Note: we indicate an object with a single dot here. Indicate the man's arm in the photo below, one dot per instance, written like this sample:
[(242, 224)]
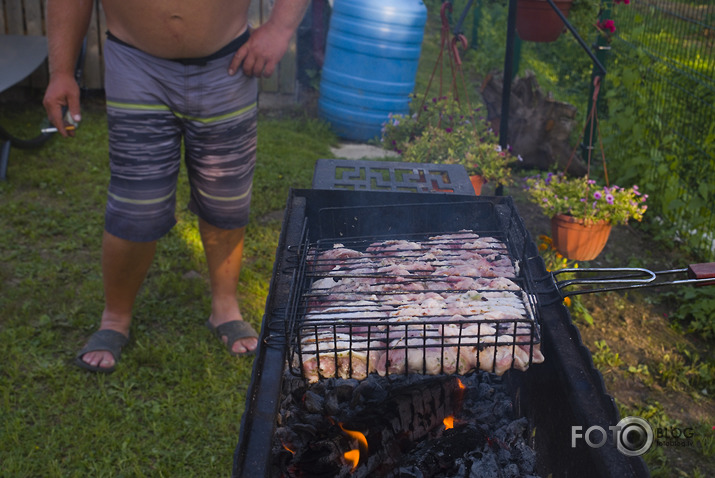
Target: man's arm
[(67, 25), (269, 42)]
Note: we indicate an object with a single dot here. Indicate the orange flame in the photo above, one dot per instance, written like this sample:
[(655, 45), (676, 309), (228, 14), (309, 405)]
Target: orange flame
[(460, 384), (448, 422), (286, 447), (353, 456)]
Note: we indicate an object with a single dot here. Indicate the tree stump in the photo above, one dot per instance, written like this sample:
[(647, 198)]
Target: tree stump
[(539, 126)]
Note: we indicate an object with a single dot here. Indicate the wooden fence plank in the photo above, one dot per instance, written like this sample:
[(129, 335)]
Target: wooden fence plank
[(254, 13), (2, 18), (13, 14), (92, 77), (268, 85), (33, 17), (102, 32), (35, 26), (288, 69)]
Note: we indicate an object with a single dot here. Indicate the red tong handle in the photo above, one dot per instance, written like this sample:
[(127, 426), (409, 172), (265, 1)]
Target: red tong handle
[(705, 270)]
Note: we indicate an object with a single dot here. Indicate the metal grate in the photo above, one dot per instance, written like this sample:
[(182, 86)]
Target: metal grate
[(350, 312), (391, 176)]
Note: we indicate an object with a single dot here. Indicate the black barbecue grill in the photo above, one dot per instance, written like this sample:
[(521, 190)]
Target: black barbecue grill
[(563, 391)]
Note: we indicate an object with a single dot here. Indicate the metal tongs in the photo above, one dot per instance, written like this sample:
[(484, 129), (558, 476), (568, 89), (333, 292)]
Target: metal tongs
[(619, 278)]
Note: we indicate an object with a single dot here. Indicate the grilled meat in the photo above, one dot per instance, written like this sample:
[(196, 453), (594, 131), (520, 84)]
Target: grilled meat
[(449, 304)]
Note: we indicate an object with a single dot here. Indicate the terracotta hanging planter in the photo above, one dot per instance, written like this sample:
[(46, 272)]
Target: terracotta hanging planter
[(477, 183), (576, 240), (536, 21)]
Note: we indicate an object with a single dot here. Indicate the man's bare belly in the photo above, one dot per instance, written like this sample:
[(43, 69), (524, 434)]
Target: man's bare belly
[(176, 28)]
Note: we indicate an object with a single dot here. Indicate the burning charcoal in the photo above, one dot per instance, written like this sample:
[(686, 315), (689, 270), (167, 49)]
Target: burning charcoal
[(485, 390), (402, 419), (305, 428), (313, 402), (486, 467), (332, 405), (409, 473), (516, 429), (320, 461), (502, 407), (437, 457), (369, 391), (526, 458), (504, 457), (511, 471), (345, 389)]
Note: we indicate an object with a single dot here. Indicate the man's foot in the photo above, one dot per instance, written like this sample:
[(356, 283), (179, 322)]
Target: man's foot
[(238, 336), (102, 351)]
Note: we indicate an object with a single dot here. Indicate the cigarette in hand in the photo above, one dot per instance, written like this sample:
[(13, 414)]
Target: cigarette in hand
[(54, 130)]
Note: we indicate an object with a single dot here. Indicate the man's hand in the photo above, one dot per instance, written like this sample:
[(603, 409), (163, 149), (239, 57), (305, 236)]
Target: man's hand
[(62, 91), (260, 55)]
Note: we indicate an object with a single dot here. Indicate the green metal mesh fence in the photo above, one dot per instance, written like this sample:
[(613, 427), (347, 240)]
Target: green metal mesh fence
[(674, 43)]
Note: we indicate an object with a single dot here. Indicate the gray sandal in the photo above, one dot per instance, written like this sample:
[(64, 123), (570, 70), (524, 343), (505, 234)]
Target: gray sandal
[(233, 331), (105, 340)]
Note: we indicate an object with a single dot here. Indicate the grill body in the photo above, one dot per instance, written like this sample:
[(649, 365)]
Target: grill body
[(566, 390)]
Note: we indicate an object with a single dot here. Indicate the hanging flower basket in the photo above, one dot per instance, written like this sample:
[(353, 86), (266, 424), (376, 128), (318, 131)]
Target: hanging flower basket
[(576, 240), (536, 21)]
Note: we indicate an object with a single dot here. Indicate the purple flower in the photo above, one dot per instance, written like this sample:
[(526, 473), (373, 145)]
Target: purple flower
[(597, 195), (609, 198)]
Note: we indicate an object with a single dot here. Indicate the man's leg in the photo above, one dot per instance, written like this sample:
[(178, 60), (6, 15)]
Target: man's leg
[(124, 267), (224, 252)]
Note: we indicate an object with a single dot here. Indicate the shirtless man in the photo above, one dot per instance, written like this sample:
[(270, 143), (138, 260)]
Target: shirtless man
[(174, 69)]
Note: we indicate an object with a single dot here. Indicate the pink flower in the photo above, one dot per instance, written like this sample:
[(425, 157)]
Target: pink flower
[(607, 25), (609, 198), (597, 195)]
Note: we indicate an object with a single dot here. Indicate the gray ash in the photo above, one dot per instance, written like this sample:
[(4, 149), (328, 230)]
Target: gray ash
[(402, 419)]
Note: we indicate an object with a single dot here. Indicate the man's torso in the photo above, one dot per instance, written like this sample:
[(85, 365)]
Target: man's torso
[(175, 28)]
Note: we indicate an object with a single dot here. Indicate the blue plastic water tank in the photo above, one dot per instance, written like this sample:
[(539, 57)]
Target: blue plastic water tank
[(371, 56)]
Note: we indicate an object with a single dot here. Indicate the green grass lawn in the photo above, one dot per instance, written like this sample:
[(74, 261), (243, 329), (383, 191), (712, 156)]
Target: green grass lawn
[(174, 405)]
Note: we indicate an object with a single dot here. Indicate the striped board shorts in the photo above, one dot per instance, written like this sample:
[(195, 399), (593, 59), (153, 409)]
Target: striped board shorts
[(154, 103)]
